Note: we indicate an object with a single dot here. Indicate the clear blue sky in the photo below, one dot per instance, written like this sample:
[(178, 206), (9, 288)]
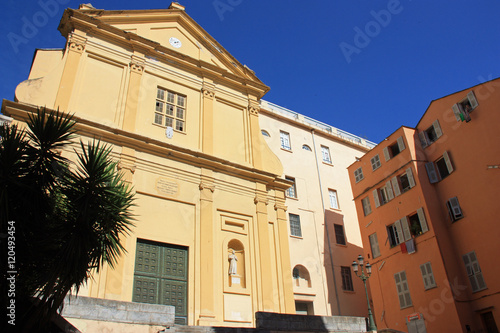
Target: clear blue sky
[(364, 66)]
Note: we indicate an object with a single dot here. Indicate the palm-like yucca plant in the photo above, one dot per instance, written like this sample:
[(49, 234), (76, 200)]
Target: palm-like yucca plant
[(68, 220)]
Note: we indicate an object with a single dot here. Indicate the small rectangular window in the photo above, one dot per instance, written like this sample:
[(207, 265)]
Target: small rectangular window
[(375, 161), (358, 174), (474, 272), (439, 169), (367, 209), (346, 279), (403, 290), (334, 202), (325, 152), (285, 140), (394, 149), (339, 234), (164, 109), (295, 229), (427, 276), (454, 209), (292, 190), (395, 234), (374, 245), (463, 109)]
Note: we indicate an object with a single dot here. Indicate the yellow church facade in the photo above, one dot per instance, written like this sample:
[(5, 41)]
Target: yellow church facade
[(212, 235)]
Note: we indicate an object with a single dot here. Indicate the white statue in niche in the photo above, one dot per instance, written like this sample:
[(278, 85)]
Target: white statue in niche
[(233, 265)]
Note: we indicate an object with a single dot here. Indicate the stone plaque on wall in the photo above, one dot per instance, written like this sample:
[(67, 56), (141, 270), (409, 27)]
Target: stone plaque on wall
[(166, 186)]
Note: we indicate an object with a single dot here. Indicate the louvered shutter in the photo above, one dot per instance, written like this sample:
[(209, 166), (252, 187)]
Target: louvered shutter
[(474, 271), (456, 112), (472, 100), (399, 230), (427, 275), (406, 228), (401, 144), (411, 180), (423, 221), (395, 185), (423, 139), (390, 193), (456, 211), (374, 245), (447, 160), (437, 129), (376, 198), (386, 154), (431, 172)]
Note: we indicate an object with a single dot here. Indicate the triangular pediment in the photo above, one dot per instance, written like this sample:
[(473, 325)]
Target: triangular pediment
[(174, 32)]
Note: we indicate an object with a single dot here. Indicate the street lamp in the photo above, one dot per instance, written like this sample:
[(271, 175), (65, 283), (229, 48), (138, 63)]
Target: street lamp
[(362, 276)]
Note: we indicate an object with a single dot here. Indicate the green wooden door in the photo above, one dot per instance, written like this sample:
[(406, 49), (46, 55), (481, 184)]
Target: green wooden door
[(161, 276)]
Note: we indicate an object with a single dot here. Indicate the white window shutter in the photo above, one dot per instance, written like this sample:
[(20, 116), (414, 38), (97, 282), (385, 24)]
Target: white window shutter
[(447, 160), (455, 208), (431, 172), (423, 269), (401, 144), (456, 112), (437, 129), (390, 193), (386, 154), (411, 180), (423, 139), (374, 245), (472, 100), (376, 198), (423, 221), (395, 185), (399, 230), (406, 228)]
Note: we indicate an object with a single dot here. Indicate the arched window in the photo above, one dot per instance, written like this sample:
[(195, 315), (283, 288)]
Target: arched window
[(306, 147), (265, 133), (301, 277)]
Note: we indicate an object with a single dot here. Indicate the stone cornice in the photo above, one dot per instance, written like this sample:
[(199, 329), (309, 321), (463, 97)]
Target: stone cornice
[(20, 112), (241, 79)]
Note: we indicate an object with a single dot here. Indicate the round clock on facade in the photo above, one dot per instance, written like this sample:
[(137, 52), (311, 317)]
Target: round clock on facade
[(175, 42)]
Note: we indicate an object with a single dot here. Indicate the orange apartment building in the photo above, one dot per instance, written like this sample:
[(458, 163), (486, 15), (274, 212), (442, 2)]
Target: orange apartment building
[(427, 202)]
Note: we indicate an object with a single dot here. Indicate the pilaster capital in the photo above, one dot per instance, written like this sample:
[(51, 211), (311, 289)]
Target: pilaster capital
[(127, 166), (204, 185), (137, 64), (260, 199), (253, 108), (77, 43), (279, 206), (208, 93)]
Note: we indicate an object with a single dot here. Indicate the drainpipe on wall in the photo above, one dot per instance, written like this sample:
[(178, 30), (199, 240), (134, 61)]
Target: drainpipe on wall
[(326, 224)]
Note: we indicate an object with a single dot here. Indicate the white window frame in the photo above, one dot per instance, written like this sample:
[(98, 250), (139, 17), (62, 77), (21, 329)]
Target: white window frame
[(291, 192), (367, 208), (334, 200), (376, 163), (358, 174), (474, 272), (295, 227), (428, 276), (403, 290), (285, 140), (325, 153), (176, 117)]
